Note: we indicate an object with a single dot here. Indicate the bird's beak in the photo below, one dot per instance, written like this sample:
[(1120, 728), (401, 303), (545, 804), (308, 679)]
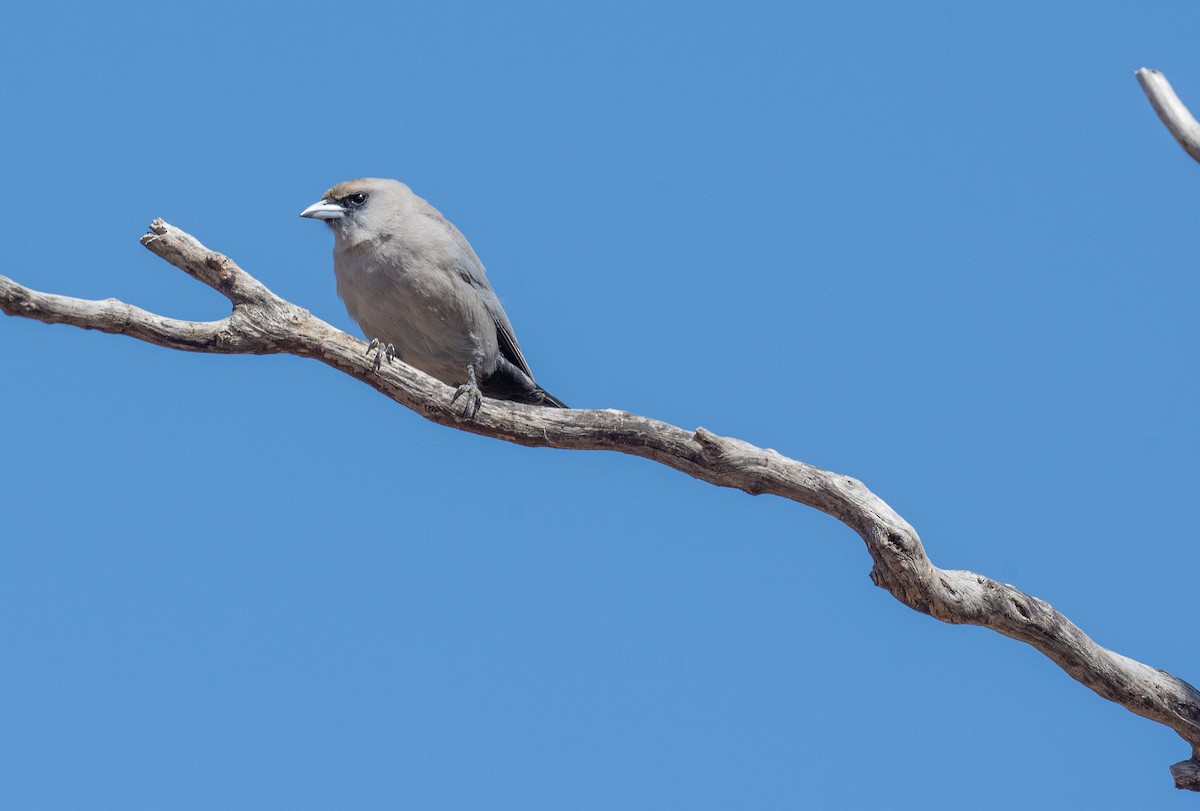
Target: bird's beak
[(324, 210)]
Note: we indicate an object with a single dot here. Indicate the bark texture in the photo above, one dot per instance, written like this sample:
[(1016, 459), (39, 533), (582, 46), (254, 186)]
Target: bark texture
[(262, 323)]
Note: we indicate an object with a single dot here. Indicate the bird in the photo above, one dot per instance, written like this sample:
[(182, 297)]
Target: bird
[(417, 290)]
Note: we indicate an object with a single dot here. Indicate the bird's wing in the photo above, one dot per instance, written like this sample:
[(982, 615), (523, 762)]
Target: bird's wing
[(471, 270), (508, 342), (509, 347)]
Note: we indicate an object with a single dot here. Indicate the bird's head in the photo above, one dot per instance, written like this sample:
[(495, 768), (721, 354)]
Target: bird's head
[(360, 209)]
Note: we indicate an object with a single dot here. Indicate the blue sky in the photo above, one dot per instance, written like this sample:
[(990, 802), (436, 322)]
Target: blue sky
[(944, 247)]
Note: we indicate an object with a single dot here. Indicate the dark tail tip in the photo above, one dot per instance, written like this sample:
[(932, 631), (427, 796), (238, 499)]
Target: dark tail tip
[(550, 400)]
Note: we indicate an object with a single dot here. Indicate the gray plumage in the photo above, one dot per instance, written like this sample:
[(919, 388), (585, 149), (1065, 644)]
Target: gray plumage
[(411, 280)]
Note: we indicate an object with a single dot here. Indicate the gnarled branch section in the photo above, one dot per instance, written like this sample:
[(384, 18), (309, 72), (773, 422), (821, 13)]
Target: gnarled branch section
[(1171, 110), (263, 323)]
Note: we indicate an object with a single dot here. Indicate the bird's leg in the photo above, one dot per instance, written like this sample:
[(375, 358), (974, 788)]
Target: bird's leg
[(381, 351), (470, 391)]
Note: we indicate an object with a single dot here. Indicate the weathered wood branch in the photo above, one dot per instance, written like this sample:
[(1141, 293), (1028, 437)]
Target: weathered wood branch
[(1180, 122), (263, 323)]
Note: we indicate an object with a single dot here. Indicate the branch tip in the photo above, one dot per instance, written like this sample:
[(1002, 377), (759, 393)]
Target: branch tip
[(1171, 111), (1186, 774)]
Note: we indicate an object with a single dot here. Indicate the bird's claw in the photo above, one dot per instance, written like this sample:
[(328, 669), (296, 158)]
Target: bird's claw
[(473, 396), (472, 400), (381, 351)]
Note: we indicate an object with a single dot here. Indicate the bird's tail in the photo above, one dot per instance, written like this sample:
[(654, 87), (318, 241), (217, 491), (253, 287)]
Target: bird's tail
[(550, 400)]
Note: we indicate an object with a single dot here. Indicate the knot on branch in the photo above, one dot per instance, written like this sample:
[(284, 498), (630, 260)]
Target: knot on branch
[(747, 466), (901, 567), (711, 445), (225, 272)]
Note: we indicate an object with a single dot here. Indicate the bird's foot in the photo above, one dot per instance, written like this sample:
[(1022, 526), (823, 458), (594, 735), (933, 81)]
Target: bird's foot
[(382, 351), (472, 396)]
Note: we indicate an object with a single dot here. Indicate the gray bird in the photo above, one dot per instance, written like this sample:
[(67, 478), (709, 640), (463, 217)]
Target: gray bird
[(412, 282)]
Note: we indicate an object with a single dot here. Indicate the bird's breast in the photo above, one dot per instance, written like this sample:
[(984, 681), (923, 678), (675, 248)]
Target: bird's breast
[(427, 311)]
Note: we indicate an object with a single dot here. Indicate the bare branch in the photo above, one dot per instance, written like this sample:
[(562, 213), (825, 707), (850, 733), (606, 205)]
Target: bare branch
[(263, 323), (1171, 110), (109, 315)]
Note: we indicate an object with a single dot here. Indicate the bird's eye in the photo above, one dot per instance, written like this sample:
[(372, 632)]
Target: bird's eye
[(356, 200)]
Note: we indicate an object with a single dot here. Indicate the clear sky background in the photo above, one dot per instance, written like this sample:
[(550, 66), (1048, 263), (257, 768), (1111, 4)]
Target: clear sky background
[(943, 247)]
